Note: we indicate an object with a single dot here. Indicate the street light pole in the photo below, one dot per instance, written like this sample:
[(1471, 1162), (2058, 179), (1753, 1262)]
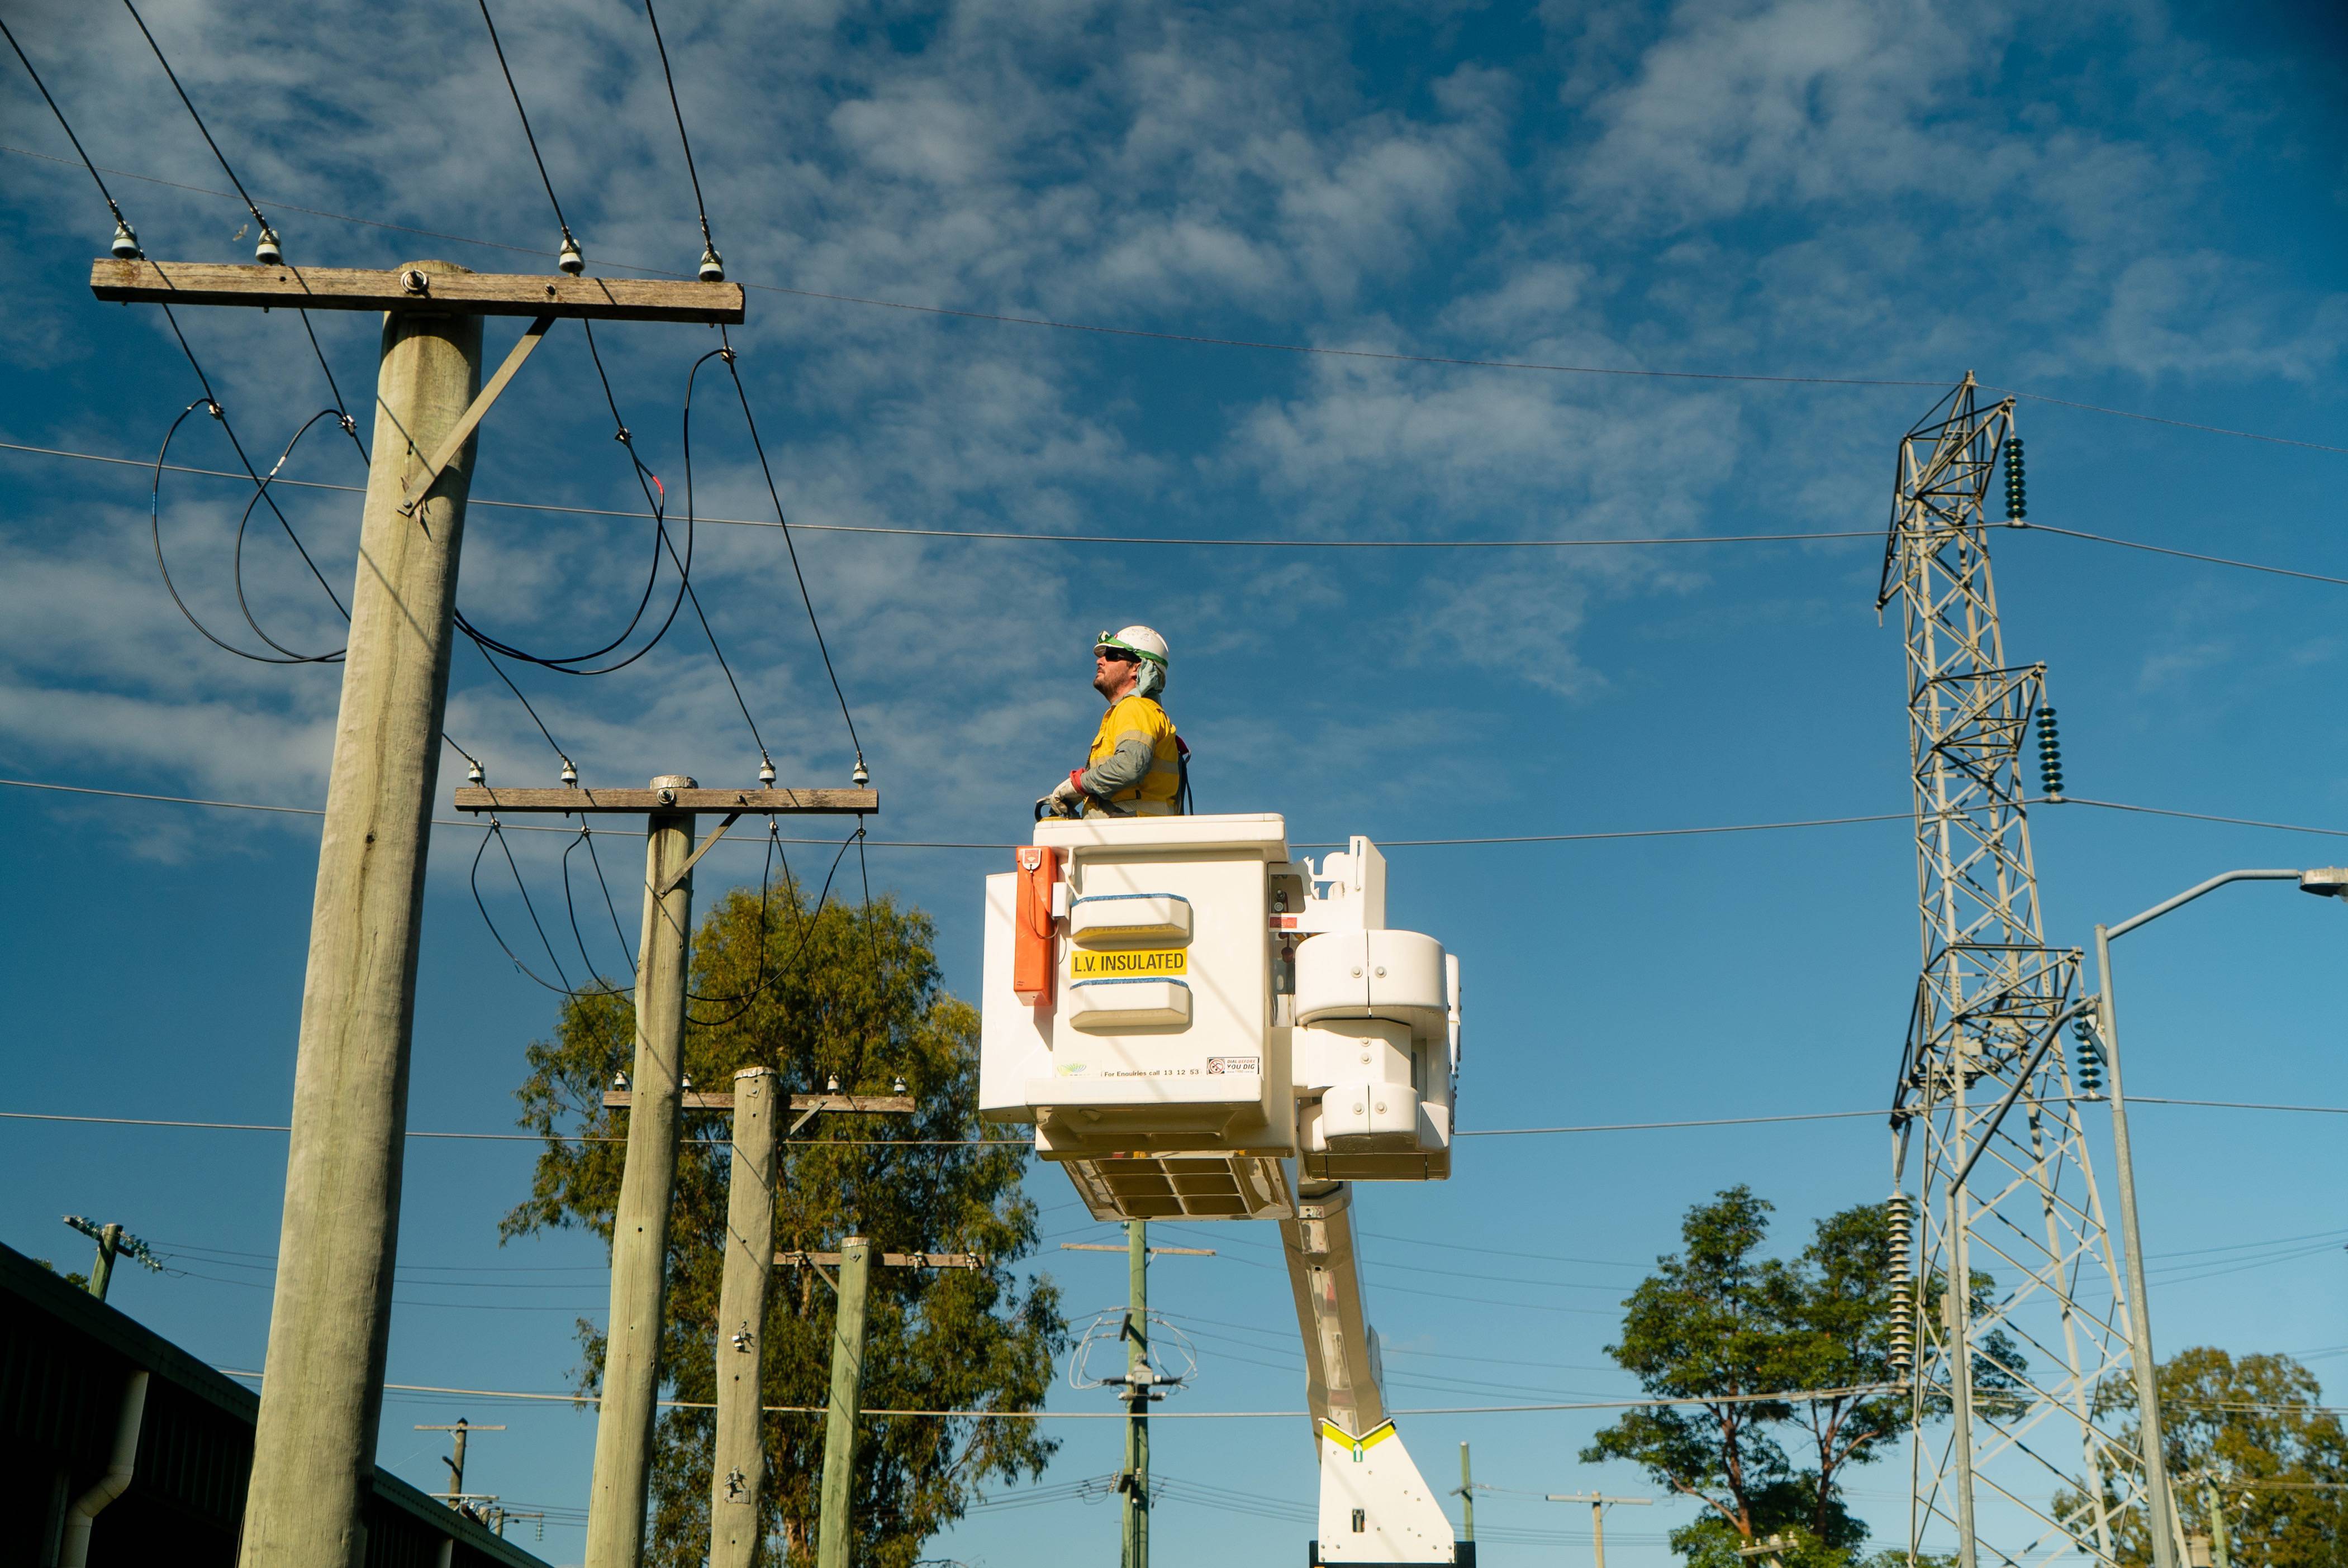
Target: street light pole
[(2160, 1506)]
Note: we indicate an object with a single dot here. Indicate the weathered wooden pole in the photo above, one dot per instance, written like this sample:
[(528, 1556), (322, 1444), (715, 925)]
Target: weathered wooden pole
[(738, 1465), (314, 1448), (624, 1428), (835, 1527)]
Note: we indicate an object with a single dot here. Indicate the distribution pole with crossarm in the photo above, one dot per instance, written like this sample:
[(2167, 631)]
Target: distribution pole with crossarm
[(321, 1400), (622, 1485)]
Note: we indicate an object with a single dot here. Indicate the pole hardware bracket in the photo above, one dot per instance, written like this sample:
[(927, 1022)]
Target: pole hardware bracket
[(473, 416)]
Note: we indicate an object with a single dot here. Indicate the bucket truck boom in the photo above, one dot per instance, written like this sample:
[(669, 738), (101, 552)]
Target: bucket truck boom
[(1200, 1027)]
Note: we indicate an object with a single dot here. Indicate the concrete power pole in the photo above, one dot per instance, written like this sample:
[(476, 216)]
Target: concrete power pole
[(737, 1468), (624, 1426), (1467, 1498), (834, 1526), (314, 1447)]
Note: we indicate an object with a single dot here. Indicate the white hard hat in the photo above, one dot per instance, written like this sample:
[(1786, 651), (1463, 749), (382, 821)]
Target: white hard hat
[(1138, 640), (1147, 647)]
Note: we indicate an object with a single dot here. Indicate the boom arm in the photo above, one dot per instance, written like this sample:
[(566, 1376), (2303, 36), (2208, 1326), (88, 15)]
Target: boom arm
[(1376, 1509)]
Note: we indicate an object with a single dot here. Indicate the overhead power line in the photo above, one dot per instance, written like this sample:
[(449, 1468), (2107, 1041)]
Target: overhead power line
[(1209, 542), (1391, 844), (1250, 343), (1023, 1142), (1772, 1397)]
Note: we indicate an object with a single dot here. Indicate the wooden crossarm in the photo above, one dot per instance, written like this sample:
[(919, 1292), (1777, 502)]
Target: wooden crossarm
[(412, 288), (723, 1099), (623, 801), (888, 1259)]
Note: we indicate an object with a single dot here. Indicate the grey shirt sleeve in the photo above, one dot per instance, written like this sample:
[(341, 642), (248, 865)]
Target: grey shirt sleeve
[(1122, 769)]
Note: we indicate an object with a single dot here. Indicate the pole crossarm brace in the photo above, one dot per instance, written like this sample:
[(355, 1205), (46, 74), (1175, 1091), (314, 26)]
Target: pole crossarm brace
[(531, 335), (571, 801), (411, 289), (887, 1260), (723, 1099)]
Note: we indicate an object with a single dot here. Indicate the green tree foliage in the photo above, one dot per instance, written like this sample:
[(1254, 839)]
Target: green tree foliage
[(2281, 1466), (833, 992), (1718, 1324)]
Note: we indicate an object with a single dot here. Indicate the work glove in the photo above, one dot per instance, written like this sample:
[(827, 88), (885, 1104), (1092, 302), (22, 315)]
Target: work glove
[(1067, 796)]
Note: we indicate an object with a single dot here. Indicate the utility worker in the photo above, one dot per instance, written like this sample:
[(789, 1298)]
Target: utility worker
[(1138, 766)]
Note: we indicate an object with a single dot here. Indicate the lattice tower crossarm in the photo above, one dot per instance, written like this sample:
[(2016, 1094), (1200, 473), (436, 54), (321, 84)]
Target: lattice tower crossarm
[(2022, 1452)]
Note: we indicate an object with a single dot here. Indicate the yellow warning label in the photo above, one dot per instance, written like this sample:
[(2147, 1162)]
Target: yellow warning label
[(1126, 963)]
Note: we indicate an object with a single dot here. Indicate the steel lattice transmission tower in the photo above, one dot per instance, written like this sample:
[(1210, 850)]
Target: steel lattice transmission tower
[(2012, 1197)]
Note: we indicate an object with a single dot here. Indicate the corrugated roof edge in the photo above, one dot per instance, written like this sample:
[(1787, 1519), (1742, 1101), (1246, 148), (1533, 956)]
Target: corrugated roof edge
[(142, 1346)]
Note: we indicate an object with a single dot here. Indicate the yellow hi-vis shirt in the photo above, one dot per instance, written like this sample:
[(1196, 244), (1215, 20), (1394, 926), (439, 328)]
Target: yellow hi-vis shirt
[(1132, 716)]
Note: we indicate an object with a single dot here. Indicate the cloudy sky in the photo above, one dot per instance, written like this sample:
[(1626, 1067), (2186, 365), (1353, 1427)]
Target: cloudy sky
[(1780, 229)]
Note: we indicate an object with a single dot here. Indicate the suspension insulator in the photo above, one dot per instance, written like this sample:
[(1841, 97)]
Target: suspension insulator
[(2049, 756), (1898, 1226), (2090, 1059), (2016, 498)]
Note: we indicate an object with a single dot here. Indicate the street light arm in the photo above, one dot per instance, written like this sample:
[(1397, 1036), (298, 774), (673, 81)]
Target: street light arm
[(2191, 894)]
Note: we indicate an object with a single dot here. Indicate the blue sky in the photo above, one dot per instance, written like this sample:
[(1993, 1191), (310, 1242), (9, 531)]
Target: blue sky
[(2133, 206)]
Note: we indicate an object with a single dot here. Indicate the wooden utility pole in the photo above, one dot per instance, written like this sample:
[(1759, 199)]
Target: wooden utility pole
[(622, 1480), (834, 1526), (1598, 1503), (456, 1462), (314, 1447), (624, 1425), (738, 1467)]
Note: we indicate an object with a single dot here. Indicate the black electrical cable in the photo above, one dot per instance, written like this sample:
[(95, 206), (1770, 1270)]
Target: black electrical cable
[(733, 369), (342, 410), (687, 438), (655, 497), (496, 831), (797, 953), (66, 126), (500, 671), (528, 135), (611, 907), (571, 908), (155, 525), (700, 207), (244, 522), (766, 876)]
